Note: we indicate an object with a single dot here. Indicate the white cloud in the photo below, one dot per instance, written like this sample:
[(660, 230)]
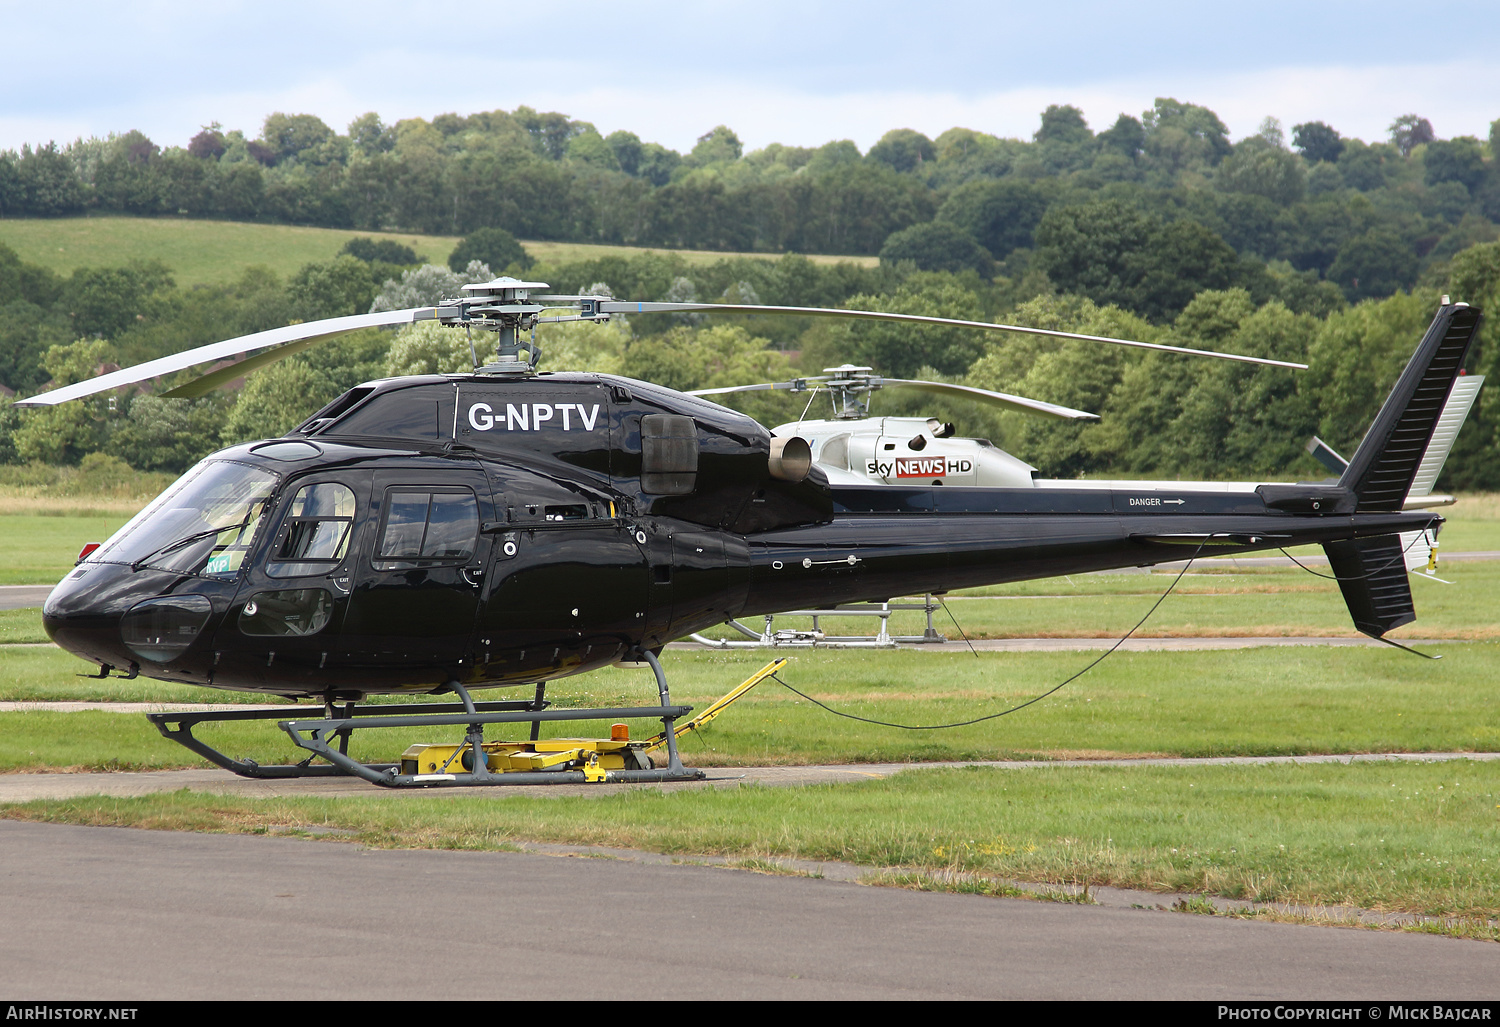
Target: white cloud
[(17, 131), (1357, 101), (801, 72)]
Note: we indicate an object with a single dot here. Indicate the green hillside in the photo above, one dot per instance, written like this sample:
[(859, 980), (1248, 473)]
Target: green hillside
[(215, 252)]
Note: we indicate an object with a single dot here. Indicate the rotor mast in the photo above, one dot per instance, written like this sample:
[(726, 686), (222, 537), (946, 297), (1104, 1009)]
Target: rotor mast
[(503, 306), (851, 387)]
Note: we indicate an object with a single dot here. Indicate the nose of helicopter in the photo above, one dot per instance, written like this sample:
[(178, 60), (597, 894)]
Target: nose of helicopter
[(83, 612), (113, 615)]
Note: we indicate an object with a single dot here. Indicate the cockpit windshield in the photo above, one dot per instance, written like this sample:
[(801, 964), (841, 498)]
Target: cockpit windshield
[(204, 524)]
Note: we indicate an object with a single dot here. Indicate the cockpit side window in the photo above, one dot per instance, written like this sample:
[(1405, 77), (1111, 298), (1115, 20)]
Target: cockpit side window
[(426, 526), (314, 537)]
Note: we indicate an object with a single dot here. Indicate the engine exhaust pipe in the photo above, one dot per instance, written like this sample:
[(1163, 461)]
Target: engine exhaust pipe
[(790, 459)]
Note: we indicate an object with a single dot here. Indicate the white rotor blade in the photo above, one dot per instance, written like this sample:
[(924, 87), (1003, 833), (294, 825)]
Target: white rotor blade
[(799, 385), (999, 399), (251, 345), (622, 307)]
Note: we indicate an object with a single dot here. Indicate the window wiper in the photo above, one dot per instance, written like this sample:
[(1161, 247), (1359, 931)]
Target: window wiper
[(185, 541)]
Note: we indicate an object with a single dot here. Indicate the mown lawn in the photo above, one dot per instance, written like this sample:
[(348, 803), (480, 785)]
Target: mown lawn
[(1284, 701)]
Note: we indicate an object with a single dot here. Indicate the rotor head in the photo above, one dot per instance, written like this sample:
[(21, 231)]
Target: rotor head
[(850, 386), (504, 306)]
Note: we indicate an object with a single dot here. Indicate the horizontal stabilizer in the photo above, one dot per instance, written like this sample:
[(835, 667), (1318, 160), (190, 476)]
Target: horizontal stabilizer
[(1307, 497), (1372, 576), (1326, 455)]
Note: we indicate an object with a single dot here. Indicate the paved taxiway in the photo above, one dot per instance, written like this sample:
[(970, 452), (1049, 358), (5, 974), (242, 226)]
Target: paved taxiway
[(19, 597), (125, 914)]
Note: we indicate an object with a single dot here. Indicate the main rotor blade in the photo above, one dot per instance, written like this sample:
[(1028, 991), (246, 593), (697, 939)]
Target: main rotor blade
[(796, 385), (259, 348), (999, 399), (622, 307), (741, 388)]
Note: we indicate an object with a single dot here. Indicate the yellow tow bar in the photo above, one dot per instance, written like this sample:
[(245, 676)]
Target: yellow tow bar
[(594, 756), (658, 740)]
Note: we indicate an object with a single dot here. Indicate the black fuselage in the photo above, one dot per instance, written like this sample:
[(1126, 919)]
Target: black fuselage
[(501, 556)]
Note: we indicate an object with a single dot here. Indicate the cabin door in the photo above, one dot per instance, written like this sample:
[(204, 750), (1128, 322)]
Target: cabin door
[(417, 582), (283, 626)]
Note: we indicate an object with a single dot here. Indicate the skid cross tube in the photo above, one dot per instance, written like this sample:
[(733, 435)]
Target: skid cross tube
[(327, 738), (315, 736), (178, 727)]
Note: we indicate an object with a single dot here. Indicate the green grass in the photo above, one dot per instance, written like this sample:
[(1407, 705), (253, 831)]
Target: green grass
[(39, 550), (44, 673), (1403, 837), (1473, 523), (22, 626), (561, 252), (1250, 702), (216, 252), (1469, 536), (1253, 702), (1417, 838), (1260, 602), (198, 252)]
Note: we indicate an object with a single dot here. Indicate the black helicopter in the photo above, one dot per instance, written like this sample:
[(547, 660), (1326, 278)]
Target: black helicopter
[(443, 533)]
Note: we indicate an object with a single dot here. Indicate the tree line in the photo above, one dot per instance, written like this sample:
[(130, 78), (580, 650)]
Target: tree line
[(1163, 415), (1143, 214)]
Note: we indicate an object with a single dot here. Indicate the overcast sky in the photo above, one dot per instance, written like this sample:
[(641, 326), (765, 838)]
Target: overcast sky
[(800, 72)]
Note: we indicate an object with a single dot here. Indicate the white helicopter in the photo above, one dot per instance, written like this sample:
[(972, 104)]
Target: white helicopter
[(855, 448)]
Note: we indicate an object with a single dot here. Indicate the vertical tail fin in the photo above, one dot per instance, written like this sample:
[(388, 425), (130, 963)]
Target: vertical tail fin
[(1381, 471), (1372, 571)]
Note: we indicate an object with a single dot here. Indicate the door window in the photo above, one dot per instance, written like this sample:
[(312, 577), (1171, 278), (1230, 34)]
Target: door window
[(315, 535), (426, 526)]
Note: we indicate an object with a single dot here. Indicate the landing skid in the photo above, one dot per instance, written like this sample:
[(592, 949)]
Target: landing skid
[(328, 739)]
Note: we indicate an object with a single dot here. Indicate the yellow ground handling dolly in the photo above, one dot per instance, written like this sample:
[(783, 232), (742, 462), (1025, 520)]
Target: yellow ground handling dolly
[(595, 757)]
